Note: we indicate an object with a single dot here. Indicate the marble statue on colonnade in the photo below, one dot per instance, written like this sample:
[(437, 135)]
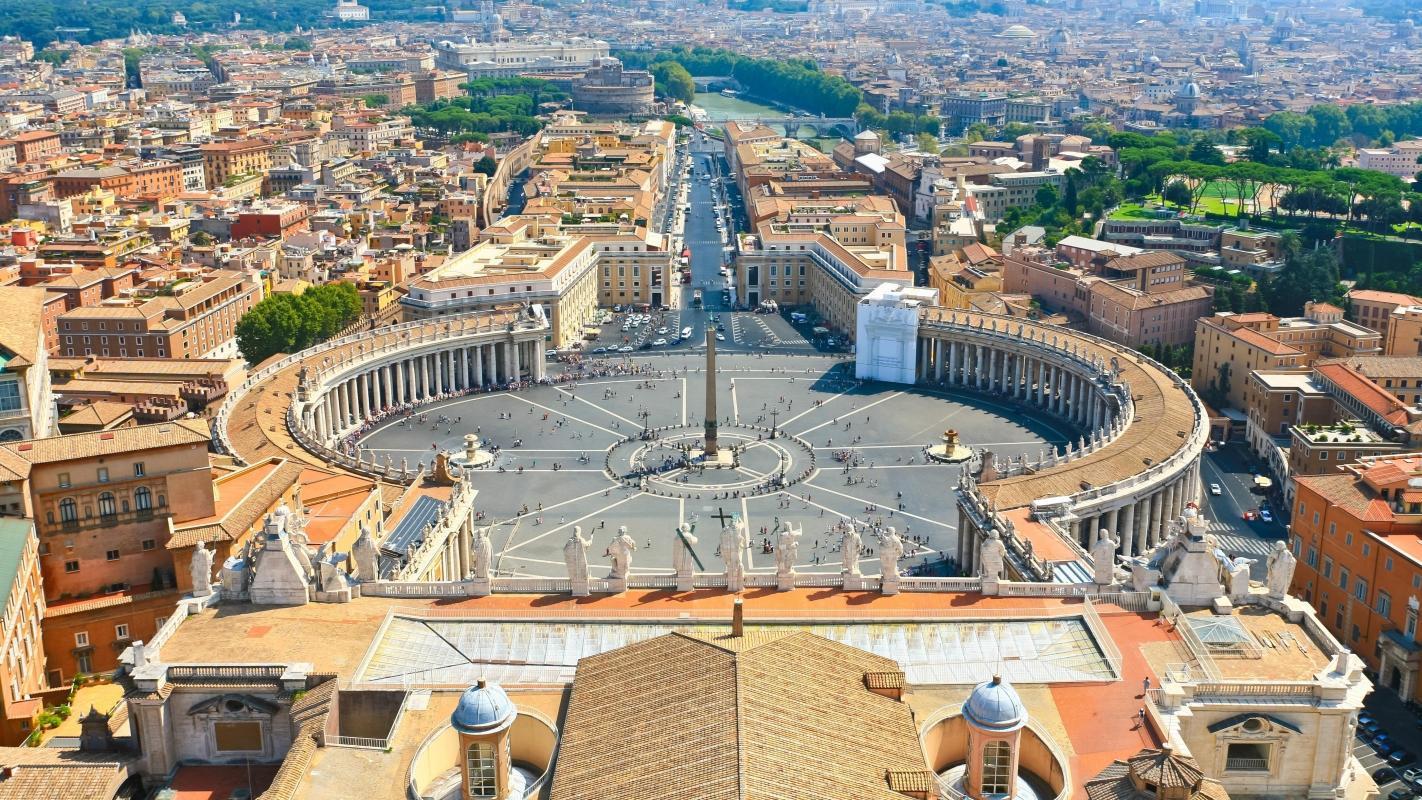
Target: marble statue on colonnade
[(992, 556), (620, 551), (1281, 570), (734, 541), (481, 555), (367, 559), (683, 559), (1103, 558), (787, 552), (200, 569), (891, 549), (850, 546), (575, 555)]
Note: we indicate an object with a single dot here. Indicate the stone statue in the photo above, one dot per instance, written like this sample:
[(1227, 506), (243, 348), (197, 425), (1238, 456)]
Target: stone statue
[(620, 550), (992, 556), (303, 555), (367, 560), (733, 551), (481, 554), (201, 569), (1103, 558), (787, 549), (891, 549), (329, 577), (1239, 577), (682, 543), (849, 549), (575, 555), (1281, 570)]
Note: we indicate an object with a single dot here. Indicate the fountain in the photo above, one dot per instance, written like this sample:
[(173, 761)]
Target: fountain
[(951, 451)]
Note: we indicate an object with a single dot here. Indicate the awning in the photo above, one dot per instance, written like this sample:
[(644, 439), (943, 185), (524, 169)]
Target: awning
[(1262, 482)]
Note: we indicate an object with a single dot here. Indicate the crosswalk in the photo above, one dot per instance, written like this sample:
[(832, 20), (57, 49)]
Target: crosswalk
[(1244, 545)]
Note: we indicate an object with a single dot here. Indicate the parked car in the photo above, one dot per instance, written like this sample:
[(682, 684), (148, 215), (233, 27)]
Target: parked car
[(599, 349), (1400, 794), (626, 348), (1401, 757), (1412, 776), (1384, 775), (1266, 515), (659, 343)]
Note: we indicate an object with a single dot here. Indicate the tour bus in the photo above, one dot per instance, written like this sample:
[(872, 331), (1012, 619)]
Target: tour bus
[(696, 298)]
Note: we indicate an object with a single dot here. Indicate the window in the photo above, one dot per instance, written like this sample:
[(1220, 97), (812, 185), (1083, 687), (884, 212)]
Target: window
[(106, 505), (1327, 567), (10, 396), (81, 639), (142, 498), (138, 469), (111, 555), (1384, 603), (121, 631), (64, 480), (103, 474), (149, 544), (71, 566), (997, 764), (1411, 627), (482, 770), (1343, 578), (1360, 589), (1247, 756), (1313, 557)]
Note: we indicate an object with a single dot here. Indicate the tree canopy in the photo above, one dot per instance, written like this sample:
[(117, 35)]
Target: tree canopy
[(286, 323)]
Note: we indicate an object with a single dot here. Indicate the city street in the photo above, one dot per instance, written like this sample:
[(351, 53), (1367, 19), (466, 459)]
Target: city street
[(1229, 468)]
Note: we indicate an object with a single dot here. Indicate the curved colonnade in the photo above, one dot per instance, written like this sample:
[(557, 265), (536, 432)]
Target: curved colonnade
[(1134, 469), (306, 405)]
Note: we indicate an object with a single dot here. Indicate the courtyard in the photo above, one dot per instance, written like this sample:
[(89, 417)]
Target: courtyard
[(570, 454)]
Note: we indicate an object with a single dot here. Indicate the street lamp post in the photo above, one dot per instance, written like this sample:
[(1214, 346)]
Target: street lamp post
[(774, 416)]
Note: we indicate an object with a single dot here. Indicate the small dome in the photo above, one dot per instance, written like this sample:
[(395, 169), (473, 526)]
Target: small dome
[(1190, 90), (484, 708), (995, 706), (866, 136), (1017, 32)]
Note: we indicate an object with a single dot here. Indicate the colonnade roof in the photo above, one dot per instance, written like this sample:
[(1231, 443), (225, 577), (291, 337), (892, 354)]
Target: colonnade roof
[(1164, 418), (256, 426)]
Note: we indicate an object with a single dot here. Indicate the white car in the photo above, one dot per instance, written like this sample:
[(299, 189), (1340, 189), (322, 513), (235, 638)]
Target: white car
[(659, 343), (686, 332), (1215, 489), (720, 337), (662, 331), (626, 348)]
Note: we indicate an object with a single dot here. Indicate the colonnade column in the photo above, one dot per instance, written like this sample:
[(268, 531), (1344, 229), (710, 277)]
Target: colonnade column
[(1127, 533)]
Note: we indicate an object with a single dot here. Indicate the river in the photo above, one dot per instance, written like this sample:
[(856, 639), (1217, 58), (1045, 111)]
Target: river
[(720, 108)]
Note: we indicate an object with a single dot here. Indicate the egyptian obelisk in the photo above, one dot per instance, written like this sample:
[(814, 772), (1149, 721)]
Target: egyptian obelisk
[(710, 450)]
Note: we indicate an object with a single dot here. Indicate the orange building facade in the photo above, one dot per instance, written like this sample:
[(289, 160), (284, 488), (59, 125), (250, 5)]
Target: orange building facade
[(1357, 535)]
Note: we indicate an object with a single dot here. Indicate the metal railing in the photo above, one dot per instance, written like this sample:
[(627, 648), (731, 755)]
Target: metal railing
[(359, 742), (1102, 636), (1247, 764), (1193, 643)]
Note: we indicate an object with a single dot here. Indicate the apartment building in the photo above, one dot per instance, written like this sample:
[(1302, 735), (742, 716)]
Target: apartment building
[(102, 504), (1229, 346), (1357, 534), (193, 314), (26, 405), (223, 160), (1373, 309), (1196, 241), (150, 181), (1399, 160), (1274, 402), (1144, 298), (22, 655)]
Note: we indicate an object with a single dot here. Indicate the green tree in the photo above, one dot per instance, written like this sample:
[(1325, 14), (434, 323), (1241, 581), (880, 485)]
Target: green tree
[(376, 100), (1177, 193), (674, 81), (286, 323), (296, 43)]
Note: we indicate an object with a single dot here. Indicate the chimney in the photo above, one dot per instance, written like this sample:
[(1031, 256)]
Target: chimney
[(738, 619)]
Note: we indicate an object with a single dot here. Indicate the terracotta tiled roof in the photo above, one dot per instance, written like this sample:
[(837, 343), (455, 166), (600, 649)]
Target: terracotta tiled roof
[(781, 715), (97, 443), (1361, 388), (54, 774)]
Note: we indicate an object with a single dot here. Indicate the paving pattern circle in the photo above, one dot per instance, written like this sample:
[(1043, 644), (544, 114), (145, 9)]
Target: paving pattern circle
[(568, 454)]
